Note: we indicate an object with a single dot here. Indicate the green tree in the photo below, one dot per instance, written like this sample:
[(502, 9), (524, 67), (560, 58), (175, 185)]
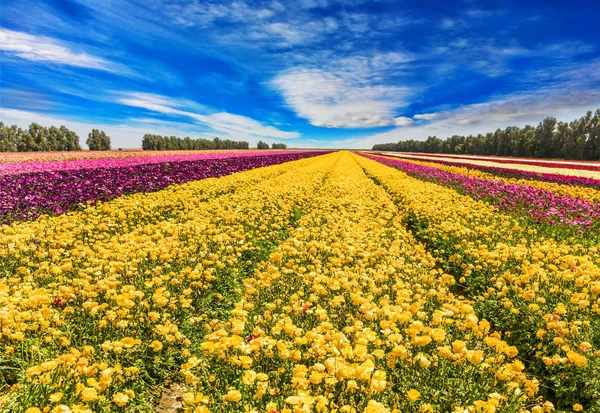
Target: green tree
[(545, 137), (70, 140), (8, 138), (262, 145), (98, 141)]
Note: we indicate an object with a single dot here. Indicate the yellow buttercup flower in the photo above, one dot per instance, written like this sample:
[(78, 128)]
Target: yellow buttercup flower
[(413, 395), (120, 399), (233, 396), (89, 394)]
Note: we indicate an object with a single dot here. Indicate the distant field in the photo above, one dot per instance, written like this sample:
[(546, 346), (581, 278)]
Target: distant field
[(587, 169), (9, 157), (298, 281)]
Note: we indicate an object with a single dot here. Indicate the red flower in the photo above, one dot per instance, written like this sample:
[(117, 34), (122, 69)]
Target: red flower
[(251, 337), (58, 303)]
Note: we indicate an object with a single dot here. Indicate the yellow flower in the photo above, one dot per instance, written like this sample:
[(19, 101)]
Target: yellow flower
[(233, 396), (249, 377), (89, 394), (577, 407), (120, 399), (33, 410), (156, 345), (577, 359), (413, 395), (55, 397), (376, 407)]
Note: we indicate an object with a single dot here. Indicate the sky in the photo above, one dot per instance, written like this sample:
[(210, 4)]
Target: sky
[(308, 73)]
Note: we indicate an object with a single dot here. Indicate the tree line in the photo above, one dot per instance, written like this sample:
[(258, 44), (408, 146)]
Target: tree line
[(38, 138), (579, 139), (162, 143), (264, 145)]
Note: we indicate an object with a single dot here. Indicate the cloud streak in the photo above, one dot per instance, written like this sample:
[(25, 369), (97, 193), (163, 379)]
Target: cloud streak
[(45, 49), (232, 124)]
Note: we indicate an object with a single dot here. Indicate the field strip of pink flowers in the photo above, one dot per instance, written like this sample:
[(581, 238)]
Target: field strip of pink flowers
[(28, 190), (20, 157), (527, 202), (56, 165), (559, 172), (552, 163)]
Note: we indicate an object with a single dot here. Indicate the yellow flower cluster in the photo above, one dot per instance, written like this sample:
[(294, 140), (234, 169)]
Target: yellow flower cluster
[(97, 306), (543, 292), (351, 314)]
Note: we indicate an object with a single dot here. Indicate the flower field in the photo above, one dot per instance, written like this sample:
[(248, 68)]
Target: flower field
[(20, 157), (57, 187), (294, 282)]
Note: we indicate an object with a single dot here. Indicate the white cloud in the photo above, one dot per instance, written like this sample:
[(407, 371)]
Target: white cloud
[(234, 125), (426, 116), (349, 92), (403, 121), (45, 49), (339, 100)]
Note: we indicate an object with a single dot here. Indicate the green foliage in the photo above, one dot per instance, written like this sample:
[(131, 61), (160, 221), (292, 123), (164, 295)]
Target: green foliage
[(262, 145), (37, 138), (163, 143), (579, 139), (279, 146), (98, 141)]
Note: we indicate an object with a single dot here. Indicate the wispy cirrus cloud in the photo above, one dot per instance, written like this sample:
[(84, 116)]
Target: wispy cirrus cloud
[(45, 49), (232, 124)]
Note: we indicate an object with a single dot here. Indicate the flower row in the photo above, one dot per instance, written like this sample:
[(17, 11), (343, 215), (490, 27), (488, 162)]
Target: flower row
[(564, 164), (589, 193), (26, 196), (351, 314), (20, 157), (99, 307), (560, 176), (528, 202), (543, 292)]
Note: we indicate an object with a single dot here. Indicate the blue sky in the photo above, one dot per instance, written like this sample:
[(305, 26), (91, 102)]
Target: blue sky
[(310, 73)]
